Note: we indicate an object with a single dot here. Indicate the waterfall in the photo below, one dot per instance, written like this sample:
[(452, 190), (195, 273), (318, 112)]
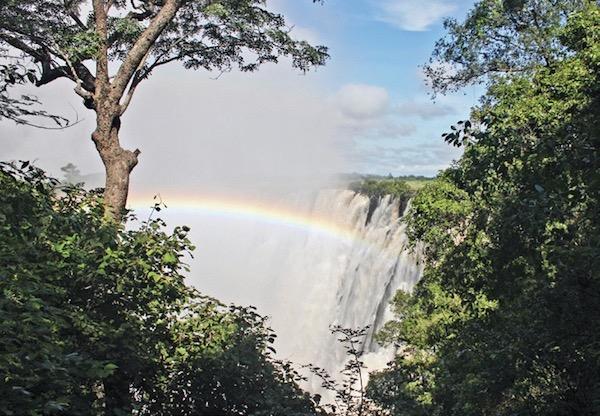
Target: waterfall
[(340, 264), (316, 282)]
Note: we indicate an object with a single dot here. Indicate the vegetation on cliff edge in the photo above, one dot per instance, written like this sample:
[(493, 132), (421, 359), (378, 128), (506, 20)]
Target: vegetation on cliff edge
[(506, 319)]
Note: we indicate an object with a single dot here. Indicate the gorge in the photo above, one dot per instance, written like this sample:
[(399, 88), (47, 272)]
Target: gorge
[(309, 260)]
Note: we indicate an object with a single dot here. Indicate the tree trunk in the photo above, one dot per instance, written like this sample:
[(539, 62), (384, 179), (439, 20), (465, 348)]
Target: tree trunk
[(118, 164)]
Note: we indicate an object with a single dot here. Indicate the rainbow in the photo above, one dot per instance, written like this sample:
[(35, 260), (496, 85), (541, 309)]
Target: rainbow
[(251, 210)]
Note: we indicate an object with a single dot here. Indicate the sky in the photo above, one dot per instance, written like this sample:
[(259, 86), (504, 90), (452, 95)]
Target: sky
[(368, 110), (377, 49), (270, 135)]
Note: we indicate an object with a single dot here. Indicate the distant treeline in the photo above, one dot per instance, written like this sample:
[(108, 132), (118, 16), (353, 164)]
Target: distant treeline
[(377, 188), (364, 176)]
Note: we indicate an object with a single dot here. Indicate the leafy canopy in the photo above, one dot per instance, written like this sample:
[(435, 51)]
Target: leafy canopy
[(22, 108), (96, 319), (499, 38), (506, 318), (62, 38), (378, 188)]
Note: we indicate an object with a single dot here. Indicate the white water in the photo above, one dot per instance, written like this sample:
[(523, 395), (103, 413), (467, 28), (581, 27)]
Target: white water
[(306, 280), (324, 282), (311, 282)]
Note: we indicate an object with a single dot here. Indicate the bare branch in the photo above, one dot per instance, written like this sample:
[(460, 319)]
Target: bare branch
[(39, 126), (78, 21), (100, 14), (141, 47), (160, 62), (86, 95), (123, 107), (137, 78), (22, 46), (109, 4), (50, 74), (140, 16)]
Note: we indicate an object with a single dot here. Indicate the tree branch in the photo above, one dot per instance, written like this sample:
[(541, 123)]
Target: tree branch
[(142, 46), (82, 73), (137, 78), (79, 90), (100, 14), (22, 46), (109, 4), (140, 16), (77, 20), (158, 63), (51, 74), (77, 72), (123, 107)]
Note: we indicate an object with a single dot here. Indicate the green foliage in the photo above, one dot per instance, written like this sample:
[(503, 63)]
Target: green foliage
[(499, 38), (349, 394), (96, 318), (81, 46), (378, 188), (210, 35), (23, 108), (403, 387), (443, 204), (506, 319)]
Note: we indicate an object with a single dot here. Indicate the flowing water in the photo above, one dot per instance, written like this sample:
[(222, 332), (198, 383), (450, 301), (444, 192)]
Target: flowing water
[(310, 260), (313, 281)]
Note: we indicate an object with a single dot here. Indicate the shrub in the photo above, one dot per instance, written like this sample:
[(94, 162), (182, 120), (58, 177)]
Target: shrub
[(97, 319)]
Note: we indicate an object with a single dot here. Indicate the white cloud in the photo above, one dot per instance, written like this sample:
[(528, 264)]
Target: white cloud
[(365, 113), (394, 130), (413, 15), (382, 128), (424, 110), (361, 101)]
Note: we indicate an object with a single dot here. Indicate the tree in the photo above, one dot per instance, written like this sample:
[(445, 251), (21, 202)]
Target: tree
[(506, 317), (72, 175), (348, 394), (97, 320), (24, 108), (108, 47), (498, 38)]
